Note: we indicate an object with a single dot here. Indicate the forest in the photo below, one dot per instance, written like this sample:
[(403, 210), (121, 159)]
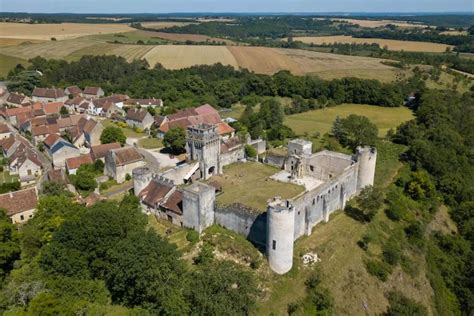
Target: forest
[(217, 84)]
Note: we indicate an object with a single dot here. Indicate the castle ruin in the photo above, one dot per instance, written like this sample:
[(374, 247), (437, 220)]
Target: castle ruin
[(330, 179)]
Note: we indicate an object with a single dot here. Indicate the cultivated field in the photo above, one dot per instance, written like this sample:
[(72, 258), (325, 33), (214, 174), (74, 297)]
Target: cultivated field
[(183, 56), (380, 23), (58, 31), (410, 46), (321, 120), (239, 177), (7, 63), (163, 25), (188, 37), (16, 41)]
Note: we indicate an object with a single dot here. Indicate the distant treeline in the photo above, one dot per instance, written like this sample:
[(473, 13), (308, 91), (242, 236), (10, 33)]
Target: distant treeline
[(217, 84)]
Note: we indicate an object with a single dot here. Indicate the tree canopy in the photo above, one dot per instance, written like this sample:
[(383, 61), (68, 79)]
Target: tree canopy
[(113, 134)]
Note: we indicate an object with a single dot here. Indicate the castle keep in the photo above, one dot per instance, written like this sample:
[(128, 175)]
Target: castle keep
[(329, 179)]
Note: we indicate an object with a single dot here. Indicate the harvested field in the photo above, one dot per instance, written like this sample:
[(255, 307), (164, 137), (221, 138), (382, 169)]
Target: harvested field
[(16, 41), (188, 37), (163, 25), (7, 63), (183, 56), (382, 75), (321, 120), (263, 60), (380, 23), (409, 46), (315, 62), (49, 49), (58, 31)]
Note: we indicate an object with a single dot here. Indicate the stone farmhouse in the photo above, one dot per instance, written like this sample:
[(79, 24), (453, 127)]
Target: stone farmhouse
[(22, 159), (73, 91), (139, 118), (48, 95), (92, 92), (17, 100), (121, 161), (60, 150), (329, 179), (100, 151), (20, 205)]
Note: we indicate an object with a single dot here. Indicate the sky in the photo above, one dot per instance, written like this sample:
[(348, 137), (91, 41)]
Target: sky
[(169, 6)]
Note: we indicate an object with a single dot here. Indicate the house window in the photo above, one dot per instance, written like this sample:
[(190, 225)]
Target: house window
[(311, 168), (29, 172), (22, 217), (274, 245)]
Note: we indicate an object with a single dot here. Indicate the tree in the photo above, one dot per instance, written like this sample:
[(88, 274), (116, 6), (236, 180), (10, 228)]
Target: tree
[(354, 131), (9, 244), (371, 200), (113, 134), (221, 288), (84, 179), (175, 140), (403, 306), (63, 111), (250, 151)]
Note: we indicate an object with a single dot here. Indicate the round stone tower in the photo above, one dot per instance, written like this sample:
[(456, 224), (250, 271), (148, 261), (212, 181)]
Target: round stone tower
[(280, 235), (367, 157), (141, 178)]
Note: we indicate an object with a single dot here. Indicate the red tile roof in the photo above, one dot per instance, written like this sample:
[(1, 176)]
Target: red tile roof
[(174, 202), (44, 129), (56, 175), (126, 155), (224, 128), (154, 192), (4, 128), (99, 151), (16, 98), (19, 201), (50, 140), (74, 90), (91, 90), (48, 93), (76, 162), (16, 111), (52, 107), (137, 115)]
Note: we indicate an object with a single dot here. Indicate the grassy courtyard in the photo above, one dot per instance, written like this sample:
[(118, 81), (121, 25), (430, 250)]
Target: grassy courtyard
[(126, 130), (150, 143), (321, 120), (249, 184), (6, 177)]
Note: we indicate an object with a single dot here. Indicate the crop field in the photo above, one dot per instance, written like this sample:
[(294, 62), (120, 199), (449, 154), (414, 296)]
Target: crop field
[(188, 37), (409, 46), (59, 31), (183, 56), (16, 41), (9, 62), (380, 23), (321, 120)]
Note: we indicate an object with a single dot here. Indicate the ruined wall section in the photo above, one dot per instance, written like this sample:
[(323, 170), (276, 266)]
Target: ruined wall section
[(326, 165)]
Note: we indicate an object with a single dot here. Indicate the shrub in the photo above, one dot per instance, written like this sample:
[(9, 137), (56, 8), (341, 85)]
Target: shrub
[(292, 308), (128, 177), (401, 306), (250, 151), (255, 263), (206, 255), (192, 236), (391, 256), (364, 242), (378, 269)]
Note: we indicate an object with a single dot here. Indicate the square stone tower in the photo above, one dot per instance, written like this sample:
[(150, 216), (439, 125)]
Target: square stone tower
[(198, 206), (300, 147), (203, 145)]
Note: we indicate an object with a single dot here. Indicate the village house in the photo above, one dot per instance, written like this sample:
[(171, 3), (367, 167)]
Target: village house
[(100, 151), (72, 164), (56, 175), (11, 114), (204, 114), (121, 161), (10, 144), (62, 150), (92, 92), (48, 95), (92, 131), (17, 100), (25, 163), (20, 205), (144, 103), (39, 133), (5, 131), (139, 118), (108, 104), (73, 91)]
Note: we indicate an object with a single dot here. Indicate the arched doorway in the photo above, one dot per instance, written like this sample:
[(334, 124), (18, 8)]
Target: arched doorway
[(211, 170)]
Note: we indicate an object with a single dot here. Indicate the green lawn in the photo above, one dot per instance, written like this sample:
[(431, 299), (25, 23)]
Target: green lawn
[(321, 120), (249, 184), (7, 63), (127, 131), (6, 177), (150, 143)]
